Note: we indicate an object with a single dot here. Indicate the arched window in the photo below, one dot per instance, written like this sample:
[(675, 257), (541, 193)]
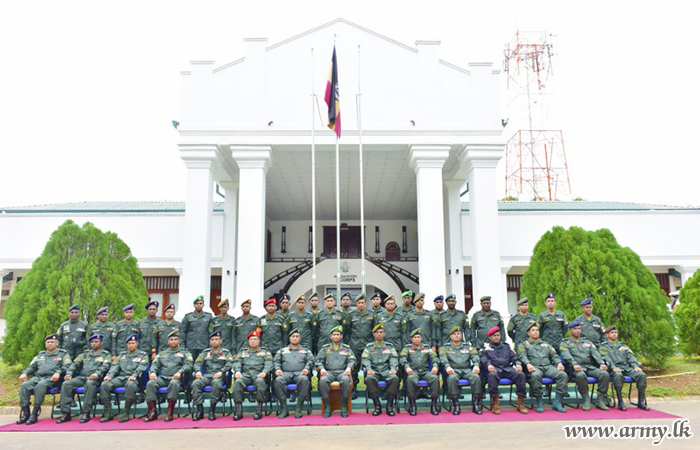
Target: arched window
[(393, 251)]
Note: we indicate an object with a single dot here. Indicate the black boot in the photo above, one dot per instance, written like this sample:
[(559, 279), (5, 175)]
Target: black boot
[(23, 415), (621, 401), (476, 404), (390, 407), (434, 408), (126, 415), (259, 413), (456, 407), (238, 412), (108, 415), (34, 416), (642, 401), (212, 411), (377, 407), (85, 418), (66, 417), (199, 414), (354, 394), (412, 409)]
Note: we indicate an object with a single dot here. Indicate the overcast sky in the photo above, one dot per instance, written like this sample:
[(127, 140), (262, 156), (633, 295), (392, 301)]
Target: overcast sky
[(88, 89)]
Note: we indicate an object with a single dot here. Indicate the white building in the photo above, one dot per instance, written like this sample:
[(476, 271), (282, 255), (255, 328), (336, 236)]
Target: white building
[(431, 131)]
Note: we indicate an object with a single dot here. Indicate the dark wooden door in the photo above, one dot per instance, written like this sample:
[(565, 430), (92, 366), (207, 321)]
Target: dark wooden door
[(393, 251), (350, 246)]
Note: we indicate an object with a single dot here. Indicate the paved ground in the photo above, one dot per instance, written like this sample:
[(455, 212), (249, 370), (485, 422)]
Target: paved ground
[(548, 435)]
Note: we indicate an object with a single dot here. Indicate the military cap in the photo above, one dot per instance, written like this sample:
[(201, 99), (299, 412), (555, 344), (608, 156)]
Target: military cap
[(376, 295), (104, 309), (337, 329), (301, 297), (439, 298), (223, 302), (198, 299), (610, 328), (217, 333), (550, 296), (294, 330), (75, 307), (407, 294), (485, 298), (256, 333), (96, 336), (533, 324), (174, 333), (170, 306), (494, 330), (455, 329), (522, 301), (360, 297), (152, 303), (379, 326), (51, 337), (272, 301), (574, 325), (451, 296), (419, 296), (329, 296), (391, 297), (246, 301), (315, 294), (133, 337), (130, 307), (416, 332), (587, 301), (284, 297), (346, 294)]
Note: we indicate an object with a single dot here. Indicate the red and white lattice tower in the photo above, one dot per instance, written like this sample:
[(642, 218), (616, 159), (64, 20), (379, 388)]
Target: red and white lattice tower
[(536, 167)]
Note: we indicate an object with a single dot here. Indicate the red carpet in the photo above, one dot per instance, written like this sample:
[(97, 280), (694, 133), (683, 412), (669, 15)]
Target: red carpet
[(47, 425)]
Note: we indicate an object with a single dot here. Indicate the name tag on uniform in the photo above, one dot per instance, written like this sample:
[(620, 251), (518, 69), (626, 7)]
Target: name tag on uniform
[(596, 325), (245, 355), (543, 345), (222, 357), (465, 351), (560, 320), (100, 359), (303, 352), (494, 319), (386, 351), (82, 330), (425, 351), (56, 359), (138, 359), (343, 352), (179, 354), (585, 345)]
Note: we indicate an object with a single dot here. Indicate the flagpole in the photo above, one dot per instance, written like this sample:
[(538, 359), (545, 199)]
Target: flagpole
[(337, 213), (313, 179), (362, 189)]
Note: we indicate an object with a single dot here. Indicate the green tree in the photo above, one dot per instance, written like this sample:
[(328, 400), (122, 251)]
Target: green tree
[(79, 265), (576, 264), (688, 316)]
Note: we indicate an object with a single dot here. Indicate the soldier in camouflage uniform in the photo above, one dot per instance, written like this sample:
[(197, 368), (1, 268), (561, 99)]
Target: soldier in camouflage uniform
[(335, 362), (72, 334), (461, 362), (407, 306), (210, 369), (244, 325), (420, 362), (418, 319), (435, 318), (164, 328), (302, 321), (326, 320), (85, 372), (167, 370), (484, 320), (541, 361), (501, 362), (518, 324), (361, 324), (125, 372), (377, 307), (591, 326), (195, 328), (381, 363), (224, 323), (103, 327), (552, 323), (251, 366), (47, 367), (123, 330), (293, 365), (272, 326), (583, 357), (393, 323), (346, 312), (620, 359), (147, 327), (284, 305), (451, 318), (314, 310)]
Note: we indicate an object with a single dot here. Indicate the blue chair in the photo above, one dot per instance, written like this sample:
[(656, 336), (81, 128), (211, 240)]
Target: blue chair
[(501, 382), (143, 380), (420, 393), (612, 399), (53, 392), (79, 393), (382, 388), (460, 384), (225, 388), (547, 383), (251, 390), (293, 388), (578, 398)]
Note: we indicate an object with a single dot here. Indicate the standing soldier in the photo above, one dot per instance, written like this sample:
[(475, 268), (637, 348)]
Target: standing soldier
[(518, 324), (326, 320), (461, 362), (381, 362), (345, 312), (103, 327), (621, 360), (407, 298), (334, 362), (224, 323), (293, 365), (125, 372), (272, 328), (195, 328), (501, 362), (418, 319), (420, 362), (284, 305), (591, 326), (541, 361), (164, 328), (85, 372), (484, 320), (361, 324), (582, 355), (393, 323), (123, 330), (244, 325), (147, 327), (47, 367), (210, 369), (72, 334), (313, 303), (452, 318), (376, 304), (552, 323), (167, 370), (435, 317), (302, 321), (251, 366)]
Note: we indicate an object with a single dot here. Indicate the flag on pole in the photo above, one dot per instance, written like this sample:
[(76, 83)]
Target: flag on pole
[(333, 97)]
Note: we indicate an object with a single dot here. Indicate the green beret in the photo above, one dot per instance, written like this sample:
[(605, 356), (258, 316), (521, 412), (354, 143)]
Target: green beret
[(329, 296), (379, 326), (419, 296), (198, 299), (416, 332), (407, 294), (522, 301), (315, 294), (455, 329), (294, 330), (337, 329), (74, 308), (451, 296), (346, 294), (360, 297)]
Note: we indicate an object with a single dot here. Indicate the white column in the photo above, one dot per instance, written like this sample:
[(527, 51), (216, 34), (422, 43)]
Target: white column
[(253, 163), (427, 161), (481, 161), (507, 312), (195, 279), (228, 271), (453, 225)]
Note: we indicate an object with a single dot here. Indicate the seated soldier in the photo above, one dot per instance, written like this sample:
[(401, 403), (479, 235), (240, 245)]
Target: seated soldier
[(47, 367), (86, 372), (583, 357), (501, 362), (420, 362), (461, 362), (381, 362), (621, 360), (541, 361), (293, 365), (251, 366), (216, 361), (125, 372), (334, 362), (167, 370)]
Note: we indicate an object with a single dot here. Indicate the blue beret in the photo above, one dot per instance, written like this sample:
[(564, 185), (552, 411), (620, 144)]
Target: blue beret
[(217, 333), (104, 309), (284, 297), (74, 308), (96, 336), (574, 324), (133, 337), (152, 303), (439, 298), (170, 306), (129, 307), (550, 296), (587, 301)]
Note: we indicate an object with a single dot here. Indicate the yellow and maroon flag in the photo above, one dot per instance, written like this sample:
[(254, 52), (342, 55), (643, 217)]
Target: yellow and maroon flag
[(333, 97)]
